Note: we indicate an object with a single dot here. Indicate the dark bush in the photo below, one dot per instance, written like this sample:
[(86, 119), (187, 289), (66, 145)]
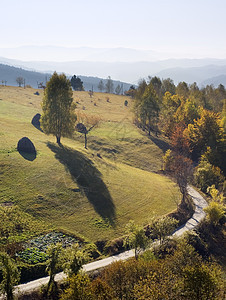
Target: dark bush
[(32, 272), (26, 145), (114, 247)]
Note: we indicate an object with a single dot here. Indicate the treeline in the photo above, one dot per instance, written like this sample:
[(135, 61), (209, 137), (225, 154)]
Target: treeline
[(193, 119), (182, 274)]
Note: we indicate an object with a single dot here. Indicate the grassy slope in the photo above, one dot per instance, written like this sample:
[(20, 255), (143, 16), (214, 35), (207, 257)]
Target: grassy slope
[(72, 188)]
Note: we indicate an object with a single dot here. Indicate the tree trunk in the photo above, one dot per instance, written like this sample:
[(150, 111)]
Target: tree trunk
[(58, 140), (85, 141), (136, 254)]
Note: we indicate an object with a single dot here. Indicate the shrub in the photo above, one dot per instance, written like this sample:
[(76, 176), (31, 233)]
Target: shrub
[(79, 288), (167, 160), (202, 282), (10, 275), (32, 272), (215, 211), (163, 227), (207, 175)]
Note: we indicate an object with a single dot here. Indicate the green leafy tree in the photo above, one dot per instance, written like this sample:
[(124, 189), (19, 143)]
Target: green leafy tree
[(187, 112), (147, 109), (136, 238), (182, 89), (223, 114), (168, 86), (58, 116), (170, 104), (206, 175), (163, 227), (215, 211), (167, 160), (53, 263), (74, 259), (205, 132), (77, 83), (215, 194), (142, 85), (157, 85), (10, 275)]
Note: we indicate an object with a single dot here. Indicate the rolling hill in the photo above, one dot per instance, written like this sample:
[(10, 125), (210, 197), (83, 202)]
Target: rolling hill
[(91, 193)]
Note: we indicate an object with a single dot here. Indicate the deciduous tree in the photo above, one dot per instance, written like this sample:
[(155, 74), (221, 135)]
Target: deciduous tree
[(205, 132), (58, 116), (147, 109), (20, 81), (136, 238), (163, 227), (53, 263), (10, 275), (85, 123), (206, 175), (77, 83), (182, 89), (215, 211), (74, 259), (79, 288)]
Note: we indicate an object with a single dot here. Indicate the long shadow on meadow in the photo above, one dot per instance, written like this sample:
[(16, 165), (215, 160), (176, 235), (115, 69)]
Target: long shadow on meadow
[(164, 146), (88, 177)]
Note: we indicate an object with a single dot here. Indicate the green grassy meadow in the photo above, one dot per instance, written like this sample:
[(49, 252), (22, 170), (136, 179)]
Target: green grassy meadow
[(74, 189)]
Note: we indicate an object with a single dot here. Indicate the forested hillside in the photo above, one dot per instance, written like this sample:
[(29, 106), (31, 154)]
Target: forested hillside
[(9, 75)]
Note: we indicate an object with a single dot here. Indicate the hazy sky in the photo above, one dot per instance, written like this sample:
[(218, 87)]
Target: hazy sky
[(196, 27)]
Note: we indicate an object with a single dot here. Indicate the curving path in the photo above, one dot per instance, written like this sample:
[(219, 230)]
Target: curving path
[(198, 215)]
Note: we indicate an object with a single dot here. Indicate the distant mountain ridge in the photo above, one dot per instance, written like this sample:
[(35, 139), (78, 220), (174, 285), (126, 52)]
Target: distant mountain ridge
[(195, 74), (59, 53), (221, 79), (10, 73), (188, 70)]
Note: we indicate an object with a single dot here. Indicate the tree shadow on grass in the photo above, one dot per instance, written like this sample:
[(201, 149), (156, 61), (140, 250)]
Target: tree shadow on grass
[(164, 146), (36, 122), (88, 177)]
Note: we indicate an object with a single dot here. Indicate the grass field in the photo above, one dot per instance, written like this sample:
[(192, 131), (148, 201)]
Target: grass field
[(75, 189)]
